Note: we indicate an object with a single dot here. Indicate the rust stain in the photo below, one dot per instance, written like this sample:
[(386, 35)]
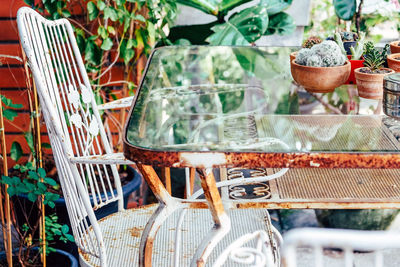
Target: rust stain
[(136, 231), (269, 160)]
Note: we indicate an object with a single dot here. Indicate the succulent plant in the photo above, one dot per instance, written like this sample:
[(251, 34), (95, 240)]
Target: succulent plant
[(356, 52), (325, 54), (311, 41), (374, 59)]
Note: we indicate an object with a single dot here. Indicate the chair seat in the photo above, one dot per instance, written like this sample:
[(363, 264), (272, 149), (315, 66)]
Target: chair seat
[(122, 232)]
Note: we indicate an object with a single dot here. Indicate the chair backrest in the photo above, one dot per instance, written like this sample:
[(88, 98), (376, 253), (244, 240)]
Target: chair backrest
[(337, 247), (73, 121)]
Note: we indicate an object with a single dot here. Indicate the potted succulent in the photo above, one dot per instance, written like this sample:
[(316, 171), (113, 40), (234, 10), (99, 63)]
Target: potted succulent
[(349, 40), (321, 68), (370, 77), (356, 53)]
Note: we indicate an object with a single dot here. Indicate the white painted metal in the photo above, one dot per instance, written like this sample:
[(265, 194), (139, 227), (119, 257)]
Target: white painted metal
[(347, 240), (81, 149)]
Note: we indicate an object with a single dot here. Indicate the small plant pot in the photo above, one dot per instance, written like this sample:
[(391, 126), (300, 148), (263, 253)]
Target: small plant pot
[(347, 45), (293, 55), (394, 47), (355, 64), (370, 85), (394, 63), (320, 79)]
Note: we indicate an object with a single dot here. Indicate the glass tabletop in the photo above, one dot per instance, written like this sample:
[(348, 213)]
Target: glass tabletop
[(244, 100)]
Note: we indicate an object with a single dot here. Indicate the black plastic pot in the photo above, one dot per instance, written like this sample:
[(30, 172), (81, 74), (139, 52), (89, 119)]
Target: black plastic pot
[(62, 213), (58, 258), (347, 45)]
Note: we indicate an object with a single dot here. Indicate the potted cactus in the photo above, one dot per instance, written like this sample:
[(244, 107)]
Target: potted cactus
[(370, 77), (321, 68), (356, 53), (308, 43)]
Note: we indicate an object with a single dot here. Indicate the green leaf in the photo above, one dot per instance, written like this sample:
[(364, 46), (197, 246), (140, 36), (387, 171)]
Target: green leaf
[(51, 204), (8, 102), (139, 18), (131, 43), (42, 187), (33, 175), (70, 237), (281, 23), (11, 191), (107, 44), (92, 53), (276, 6), (345, 9), (30, 141), (110, 13), (32, 197), (46, 145), (64, 229), (29, 2), (41, 172), (9, 114), (102, 32), (242, 28), (66, 13), (213, 7), (101, 5), (92, 10), (50, 181), (16, 151)]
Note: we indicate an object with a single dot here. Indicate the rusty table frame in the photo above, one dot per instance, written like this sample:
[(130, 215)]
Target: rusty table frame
[(205, 161)]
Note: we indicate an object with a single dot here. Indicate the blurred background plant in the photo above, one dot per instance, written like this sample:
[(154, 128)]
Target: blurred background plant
[(235, 23)]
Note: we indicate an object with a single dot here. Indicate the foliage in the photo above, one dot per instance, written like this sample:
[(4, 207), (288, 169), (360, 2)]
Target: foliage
[(325, 54), (374, 59), (240, 28), (345, 9)]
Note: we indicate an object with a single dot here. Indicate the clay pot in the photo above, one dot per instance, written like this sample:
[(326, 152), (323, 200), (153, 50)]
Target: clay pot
[(393, 63), (370, 85), (394, 47), (320, 79), (293, 55)]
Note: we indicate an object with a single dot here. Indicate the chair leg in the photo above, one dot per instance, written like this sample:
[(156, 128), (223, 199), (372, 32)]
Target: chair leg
[(150, 232), (222, 221)]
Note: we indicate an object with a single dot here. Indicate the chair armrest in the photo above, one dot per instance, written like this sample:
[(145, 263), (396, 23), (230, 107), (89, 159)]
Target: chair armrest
[(108, 159), (125, 102)]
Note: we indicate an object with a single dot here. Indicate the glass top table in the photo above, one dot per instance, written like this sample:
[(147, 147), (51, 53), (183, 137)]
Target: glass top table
[(204, 106), (208, 107)]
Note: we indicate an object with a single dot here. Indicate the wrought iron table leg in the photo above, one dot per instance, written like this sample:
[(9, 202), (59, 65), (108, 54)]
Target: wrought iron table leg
[(222, 222), (167, 206)]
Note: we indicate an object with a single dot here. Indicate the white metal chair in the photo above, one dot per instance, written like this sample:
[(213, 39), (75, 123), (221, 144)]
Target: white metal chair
[(86, 163), (308, 247)]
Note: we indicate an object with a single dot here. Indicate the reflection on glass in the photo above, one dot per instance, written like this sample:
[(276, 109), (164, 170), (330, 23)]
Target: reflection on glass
[(240, 99)]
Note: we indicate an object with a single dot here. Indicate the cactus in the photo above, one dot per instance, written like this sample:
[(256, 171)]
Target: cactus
[(358, 51), (325, 54), (374, 59), (311, 41), (339, 41)]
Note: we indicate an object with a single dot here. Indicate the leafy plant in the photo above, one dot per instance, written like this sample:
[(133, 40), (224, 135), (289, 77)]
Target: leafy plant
[(356, 51), (241, 28), (374, 59)]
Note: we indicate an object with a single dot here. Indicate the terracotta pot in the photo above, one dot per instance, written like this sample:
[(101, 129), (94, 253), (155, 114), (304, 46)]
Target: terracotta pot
[(320, 79), (293, 55), (394, 47), (393, 63), (370, 85), (355, 64)]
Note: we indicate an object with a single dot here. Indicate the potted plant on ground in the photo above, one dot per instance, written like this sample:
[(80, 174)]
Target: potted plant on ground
[(321, 68), (355, 56), (369, 78)]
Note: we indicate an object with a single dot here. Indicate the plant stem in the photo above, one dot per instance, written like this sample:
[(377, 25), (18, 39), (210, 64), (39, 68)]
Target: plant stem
[(7, 222), (325, 104), (358, 16)]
